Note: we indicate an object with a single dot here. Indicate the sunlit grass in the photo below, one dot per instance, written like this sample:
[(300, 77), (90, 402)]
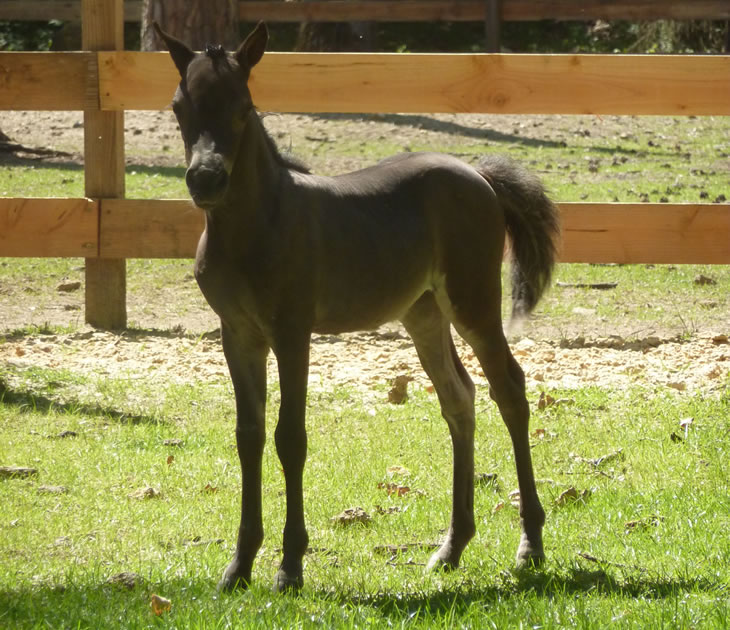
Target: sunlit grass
[(647, 545)]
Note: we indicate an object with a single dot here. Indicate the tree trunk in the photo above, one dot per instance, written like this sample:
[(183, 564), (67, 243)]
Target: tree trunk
[(196, 22)]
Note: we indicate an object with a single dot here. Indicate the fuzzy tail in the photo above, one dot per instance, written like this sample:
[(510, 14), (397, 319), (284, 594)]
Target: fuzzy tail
[(533, 226)]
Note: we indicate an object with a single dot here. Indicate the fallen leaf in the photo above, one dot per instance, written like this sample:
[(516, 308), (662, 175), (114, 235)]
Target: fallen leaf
[(680, 386), (19, 352), (126, 579), (643, 523), (145, 493), (514, 498), (170, 459), (210, 489), (538, 433), (394, 489), (720, 339), (351, 516), (159, 605), (53, 489), (394, 509), (174, 442), (702, 280), (398, 394), (544, 401), (498, 507), (392, 471), (571, 495), (68, 287), (17, 472)]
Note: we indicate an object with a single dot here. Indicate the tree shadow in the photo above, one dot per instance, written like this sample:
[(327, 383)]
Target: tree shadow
[(28, 401)]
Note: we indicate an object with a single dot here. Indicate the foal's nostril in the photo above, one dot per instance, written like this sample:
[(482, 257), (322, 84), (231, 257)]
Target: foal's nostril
[(206, 184)]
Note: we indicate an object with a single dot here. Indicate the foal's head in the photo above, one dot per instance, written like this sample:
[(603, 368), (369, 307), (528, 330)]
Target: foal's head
[(212, 104)]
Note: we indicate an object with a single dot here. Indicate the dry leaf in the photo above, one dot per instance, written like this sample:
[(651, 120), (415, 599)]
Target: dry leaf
[(17, 472), (398, 394), (394, 489), (720, 339), (538, 433), (145, 493), (210, 489), (703, 280), (19, 352), (53, 489), (571, 495), (397, 470), (498, 507), (170, 459), (514, 498), (159, 605), (68, 287), (643, 523), (126, 579), (351, 516)]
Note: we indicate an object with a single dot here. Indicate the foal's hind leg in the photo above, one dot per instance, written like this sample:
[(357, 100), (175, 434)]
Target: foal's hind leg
[(507, 389), (431, 334)]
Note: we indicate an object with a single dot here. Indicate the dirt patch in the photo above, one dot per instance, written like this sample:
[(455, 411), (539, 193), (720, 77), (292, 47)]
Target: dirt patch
[(369, 362), (552, 354)]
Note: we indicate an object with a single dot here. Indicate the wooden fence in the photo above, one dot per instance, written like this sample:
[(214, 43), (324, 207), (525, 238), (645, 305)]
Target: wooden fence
[(104, 81), (409, 10)]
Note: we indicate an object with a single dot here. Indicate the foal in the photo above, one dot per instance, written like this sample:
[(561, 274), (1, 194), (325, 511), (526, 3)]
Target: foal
[(417, 238)]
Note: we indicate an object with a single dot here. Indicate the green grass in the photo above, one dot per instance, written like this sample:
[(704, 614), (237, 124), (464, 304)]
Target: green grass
[(669, 570)]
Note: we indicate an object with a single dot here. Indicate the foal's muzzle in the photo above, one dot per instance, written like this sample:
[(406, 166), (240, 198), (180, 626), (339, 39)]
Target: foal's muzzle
[(207, 184)]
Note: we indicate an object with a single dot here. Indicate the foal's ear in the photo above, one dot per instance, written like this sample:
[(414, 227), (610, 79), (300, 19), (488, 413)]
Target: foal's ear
[(250, 52), (180, 53)]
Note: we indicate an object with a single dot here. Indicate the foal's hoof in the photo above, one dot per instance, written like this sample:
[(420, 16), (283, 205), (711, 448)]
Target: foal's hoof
[(285, 583), (232, 580), (441, 562), (529, 555)]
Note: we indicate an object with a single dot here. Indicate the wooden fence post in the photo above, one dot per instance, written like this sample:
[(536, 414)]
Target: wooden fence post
[(493, 25), (106, 278)]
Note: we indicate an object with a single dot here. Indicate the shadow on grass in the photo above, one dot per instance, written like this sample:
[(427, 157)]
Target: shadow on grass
[(26, 400), (100, 604)]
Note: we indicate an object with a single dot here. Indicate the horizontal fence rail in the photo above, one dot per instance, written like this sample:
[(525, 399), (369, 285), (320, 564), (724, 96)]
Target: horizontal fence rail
[(406, 83), (140, 228), (407, 10), (446, 83)]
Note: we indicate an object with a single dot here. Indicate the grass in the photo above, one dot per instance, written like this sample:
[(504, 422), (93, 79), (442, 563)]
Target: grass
[(653, 531)]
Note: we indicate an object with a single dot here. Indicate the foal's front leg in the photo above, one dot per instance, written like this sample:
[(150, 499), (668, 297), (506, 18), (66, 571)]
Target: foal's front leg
[(247, 364), (292, 354)]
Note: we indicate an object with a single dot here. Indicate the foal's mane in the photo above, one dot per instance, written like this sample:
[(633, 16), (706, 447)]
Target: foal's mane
[(287, 160)]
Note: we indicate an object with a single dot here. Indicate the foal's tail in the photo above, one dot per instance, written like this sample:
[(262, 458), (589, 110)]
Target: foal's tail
[(533, 225)]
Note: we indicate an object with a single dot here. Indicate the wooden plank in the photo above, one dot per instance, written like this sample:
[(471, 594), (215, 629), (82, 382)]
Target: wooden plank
[(407, 10), (486, 83), (646, 233), (106, 279), (592, 232), (48, 227), (48, 81), (134, 228), (475, 11)]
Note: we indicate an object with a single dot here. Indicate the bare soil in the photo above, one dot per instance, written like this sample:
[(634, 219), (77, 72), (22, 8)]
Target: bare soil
[(175, 337)]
